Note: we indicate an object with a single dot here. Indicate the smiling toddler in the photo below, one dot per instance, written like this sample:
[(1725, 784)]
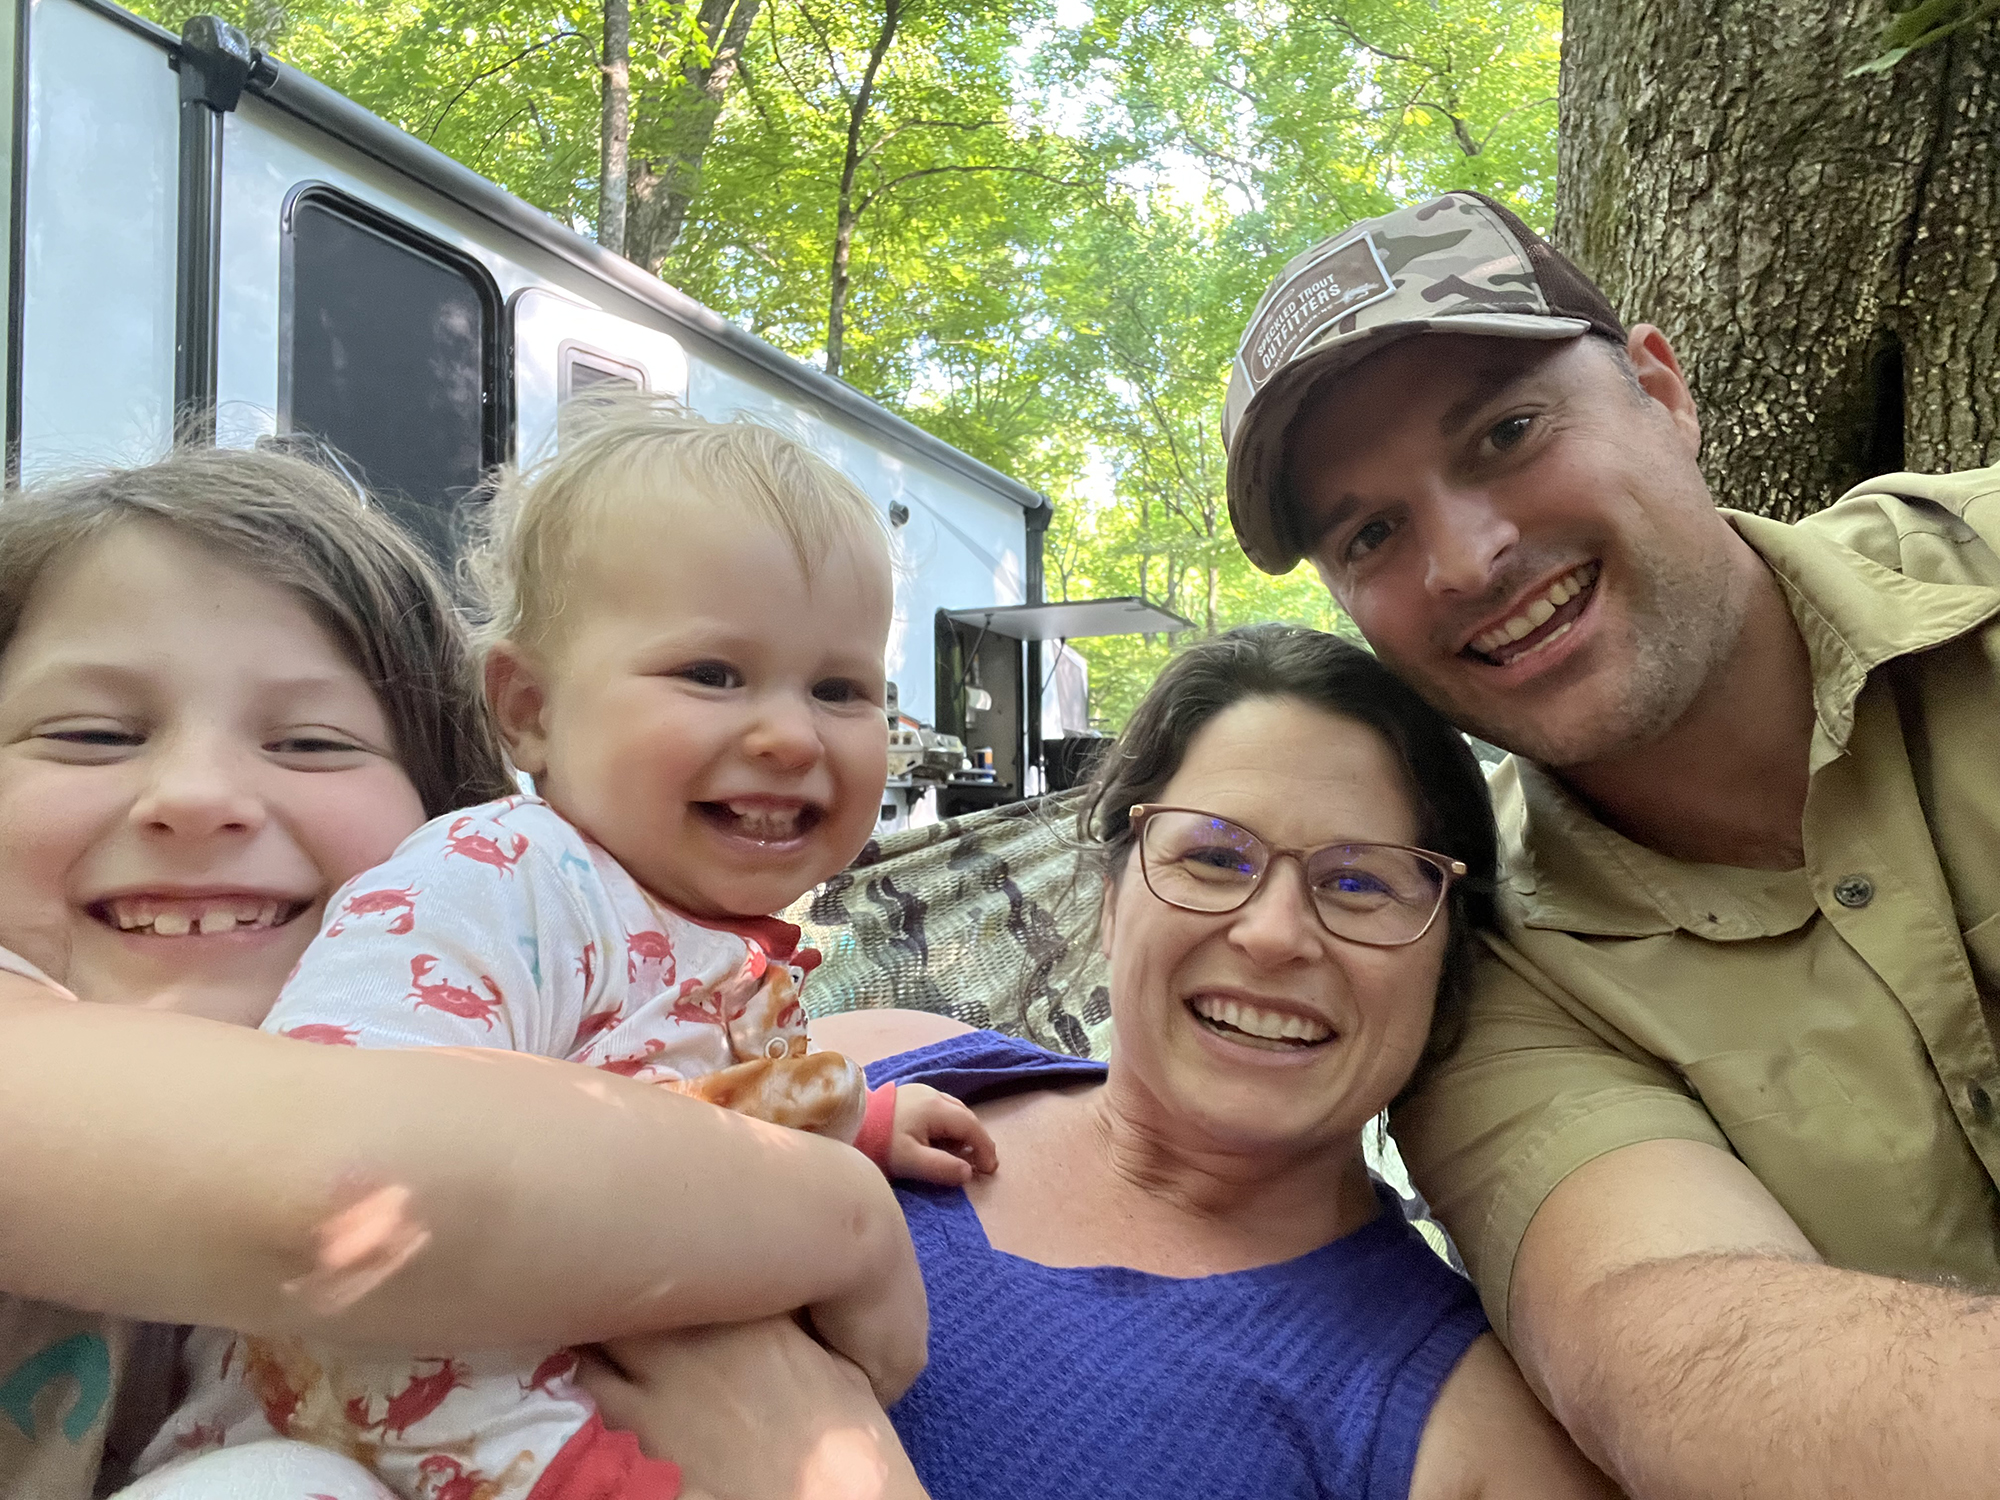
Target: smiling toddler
[(686, 639)]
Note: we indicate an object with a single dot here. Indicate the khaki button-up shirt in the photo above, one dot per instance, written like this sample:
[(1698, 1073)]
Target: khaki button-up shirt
[(1832, 1025)]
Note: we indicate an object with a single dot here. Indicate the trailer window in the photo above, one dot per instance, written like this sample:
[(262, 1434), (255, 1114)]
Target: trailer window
[(390, 352)]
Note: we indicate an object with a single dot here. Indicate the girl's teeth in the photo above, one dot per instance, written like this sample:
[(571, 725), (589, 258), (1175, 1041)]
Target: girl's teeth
[(209, 919)]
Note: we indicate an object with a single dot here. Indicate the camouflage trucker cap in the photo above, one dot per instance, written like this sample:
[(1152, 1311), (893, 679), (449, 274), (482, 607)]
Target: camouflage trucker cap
[(1458, 264)]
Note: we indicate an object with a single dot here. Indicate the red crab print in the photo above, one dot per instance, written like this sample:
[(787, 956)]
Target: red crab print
[(586, 966), (597, 1023), (323, 1032), (485, 850), (549, 1371), (443, 1477), (402, 902), (706, 1011), (649, 950), (415, 1401), (453, 999), (632, 1065), (279, 1378)]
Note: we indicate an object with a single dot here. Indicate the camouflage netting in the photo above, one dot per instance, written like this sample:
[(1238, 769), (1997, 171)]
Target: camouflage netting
[(990, 919), (983, 918)]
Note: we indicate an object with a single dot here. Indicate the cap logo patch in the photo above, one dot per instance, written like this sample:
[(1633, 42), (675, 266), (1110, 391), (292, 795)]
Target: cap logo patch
[(1347, 277)]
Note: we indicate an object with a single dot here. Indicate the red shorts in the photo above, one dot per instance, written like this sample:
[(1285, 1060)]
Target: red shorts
[(601, 1464)]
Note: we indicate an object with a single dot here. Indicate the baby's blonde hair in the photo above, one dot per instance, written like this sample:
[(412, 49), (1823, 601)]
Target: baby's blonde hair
[(621, 449)]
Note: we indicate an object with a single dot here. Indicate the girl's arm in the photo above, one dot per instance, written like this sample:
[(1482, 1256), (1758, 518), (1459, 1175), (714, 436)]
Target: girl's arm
[(169, 1168)]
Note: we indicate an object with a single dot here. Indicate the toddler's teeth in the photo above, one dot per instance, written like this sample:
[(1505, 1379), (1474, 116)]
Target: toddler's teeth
[(171, 924), (216, 921), (267, 914)]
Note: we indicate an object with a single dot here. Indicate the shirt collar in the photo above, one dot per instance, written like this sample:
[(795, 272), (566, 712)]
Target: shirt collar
[(1855, 614), (1565, 870)]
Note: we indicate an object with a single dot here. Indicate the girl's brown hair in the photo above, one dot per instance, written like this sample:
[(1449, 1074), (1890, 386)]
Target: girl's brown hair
[(291, 523)]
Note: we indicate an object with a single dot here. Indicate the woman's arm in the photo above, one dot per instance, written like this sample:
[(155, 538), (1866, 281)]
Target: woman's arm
[(1488, 1438), (168, 1168)]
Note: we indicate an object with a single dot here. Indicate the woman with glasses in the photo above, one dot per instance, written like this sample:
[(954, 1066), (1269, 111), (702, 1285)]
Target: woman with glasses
[(1181, 1280)]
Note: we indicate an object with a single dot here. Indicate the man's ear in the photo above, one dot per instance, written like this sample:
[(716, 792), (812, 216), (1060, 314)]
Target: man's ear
[(519, 701), (1659, 375)]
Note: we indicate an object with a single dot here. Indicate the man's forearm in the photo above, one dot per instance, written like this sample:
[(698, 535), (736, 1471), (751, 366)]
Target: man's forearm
[(1762, 1377), (169, 1168)]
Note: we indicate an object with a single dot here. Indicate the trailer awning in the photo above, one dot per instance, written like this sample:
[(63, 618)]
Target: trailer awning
[(1073, 619)]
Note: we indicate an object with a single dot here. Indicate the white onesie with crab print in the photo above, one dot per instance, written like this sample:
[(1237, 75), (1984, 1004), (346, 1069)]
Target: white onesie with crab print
[(501, 926)]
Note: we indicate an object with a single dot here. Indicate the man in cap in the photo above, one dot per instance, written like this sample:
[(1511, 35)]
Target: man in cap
[(1721, 1140)]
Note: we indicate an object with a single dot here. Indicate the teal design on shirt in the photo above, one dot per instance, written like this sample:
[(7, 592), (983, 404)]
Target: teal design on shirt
[(82, 1357)]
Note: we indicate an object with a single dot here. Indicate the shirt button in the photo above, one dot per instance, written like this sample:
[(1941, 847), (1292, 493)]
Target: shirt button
[(1854, 890), (1980, 1102)]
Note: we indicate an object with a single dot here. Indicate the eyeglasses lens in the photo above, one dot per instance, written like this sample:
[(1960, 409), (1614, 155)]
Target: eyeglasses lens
[(1372, 893), (1205, 863)]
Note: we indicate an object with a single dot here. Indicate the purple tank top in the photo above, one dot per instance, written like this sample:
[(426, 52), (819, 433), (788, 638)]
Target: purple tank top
[(1313, 1377)]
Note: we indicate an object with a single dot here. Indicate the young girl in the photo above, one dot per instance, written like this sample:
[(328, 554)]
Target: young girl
[(225, 687), (689, 624)]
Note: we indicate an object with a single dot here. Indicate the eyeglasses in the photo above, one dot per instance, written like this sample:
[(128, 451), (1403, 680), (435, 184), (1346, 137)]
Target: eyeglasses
[(1382, 895)]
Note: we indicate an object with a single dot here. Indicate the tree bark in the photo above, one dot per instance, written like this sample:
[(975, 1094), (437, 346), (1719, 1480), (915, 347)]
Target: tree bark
[(615, 126), (1822, 250), (664, 183), (848, 212)]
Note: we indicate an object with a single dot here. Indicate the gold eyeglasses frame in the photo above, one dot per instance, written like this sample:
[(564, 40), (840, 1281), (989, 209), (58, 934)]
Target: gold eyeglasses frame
[(1450, 869)]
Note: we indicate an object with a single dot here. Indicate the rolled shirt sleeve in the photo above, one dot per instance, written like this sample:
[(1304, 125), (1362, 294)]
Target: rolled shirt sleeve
[(1537, 1088)]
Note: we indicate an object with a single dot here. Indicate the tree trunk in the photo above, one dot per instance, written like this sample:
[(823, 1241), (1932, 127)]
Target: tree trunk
[(664, 183), (848, 213), (615, 126), (1822, 250)]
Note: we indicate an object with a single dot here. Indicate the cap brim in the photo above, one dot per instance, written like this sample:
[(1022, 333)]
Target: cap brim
[(1257, 453)]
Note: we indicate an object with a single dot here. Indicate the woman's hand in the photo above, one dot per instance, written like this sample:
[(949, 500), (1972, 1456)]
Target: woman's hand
[(753, 1411)]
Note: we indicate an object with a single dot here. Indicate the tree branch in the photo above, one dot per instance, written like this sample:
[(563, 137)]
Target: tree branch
[(889, 136), (1341, 23), (498, 68), (896, 182)]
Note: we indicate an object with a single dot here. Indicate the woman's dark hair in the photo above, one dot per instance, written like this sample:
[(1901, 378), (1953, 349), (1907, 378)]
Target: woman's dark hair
[(293, 524), (1454, 814)]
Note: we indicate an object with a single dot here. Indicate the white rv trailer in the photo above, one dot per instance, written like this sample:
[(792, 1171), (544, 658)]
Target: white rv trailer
[(197, 227)]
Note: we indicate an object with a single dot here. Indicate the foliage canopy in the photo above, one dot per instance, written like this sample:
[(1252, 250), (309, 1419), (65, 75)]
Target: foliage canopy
[(1035, 227)]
